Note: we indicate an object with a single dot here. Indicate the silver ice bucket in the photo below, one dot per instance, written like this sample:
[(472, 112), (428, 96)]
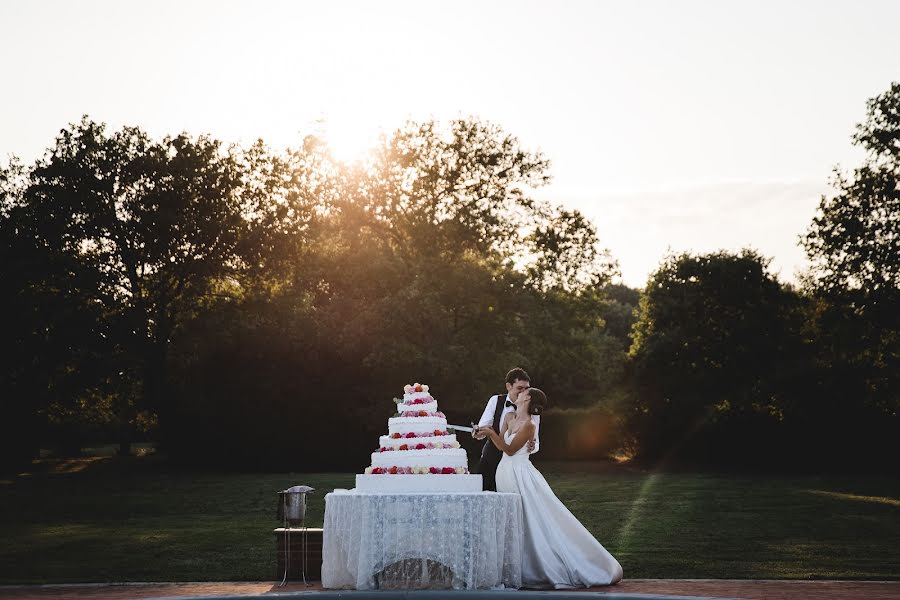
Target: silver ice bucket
[(292, 504)]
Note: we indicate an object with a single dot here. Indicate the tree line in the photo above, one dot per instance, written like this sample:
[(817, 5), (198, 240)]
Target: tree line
[(255, 307)]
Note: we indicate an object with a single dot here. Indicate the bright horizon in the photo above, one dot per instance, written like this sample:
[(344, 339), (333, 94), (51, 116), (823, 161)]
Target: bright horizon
[(683, 126)]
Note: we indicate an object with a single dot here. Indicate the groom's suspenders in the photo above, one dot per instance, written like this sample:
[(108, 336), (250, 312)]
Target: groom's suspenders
[(498, 411), (489, 449), (489, 452)]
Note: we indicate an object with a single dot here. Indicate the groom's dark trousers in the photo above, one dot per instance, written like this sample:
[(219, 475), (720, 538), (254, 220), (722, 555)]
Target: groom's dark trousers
[(490, 456)]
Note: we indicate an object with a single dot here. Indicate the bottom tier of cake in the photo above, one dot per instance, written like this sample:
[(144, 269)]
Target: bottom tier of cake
[(398, 484)]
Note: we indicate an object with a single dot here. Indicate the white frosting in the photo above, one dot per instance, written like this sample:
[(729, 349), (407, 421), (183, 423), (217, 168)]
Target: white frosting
[(417, 395), (387, 441), (416, 424), (435, 457), (418, 483), (428, 406)]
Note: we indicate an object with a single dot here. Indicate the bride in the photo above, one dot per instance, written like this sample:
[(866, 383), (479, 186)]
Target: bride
[(558, 551)]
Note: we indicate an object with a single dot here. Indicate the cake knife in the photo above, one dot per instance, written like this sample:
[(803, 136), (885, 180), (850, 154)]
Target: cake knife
[(461, 428)]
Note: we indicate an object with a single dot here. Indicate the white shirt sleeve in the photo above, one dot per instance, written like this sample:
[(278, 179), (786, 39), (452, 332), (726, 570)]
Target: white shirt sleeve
[(487, 419), (536, 419)]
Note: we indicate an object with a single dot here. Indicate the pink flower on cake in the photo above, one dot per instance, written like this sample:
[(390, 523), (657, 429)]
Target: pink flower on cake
[(434, 471), (420, 446), (421, 413), (410, 435), (377, 471), (447, 471)]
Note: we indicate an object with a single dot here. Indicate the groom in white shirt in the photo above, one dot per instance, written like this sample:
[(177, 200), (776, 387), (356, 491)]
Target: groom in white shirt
[(497, 408)]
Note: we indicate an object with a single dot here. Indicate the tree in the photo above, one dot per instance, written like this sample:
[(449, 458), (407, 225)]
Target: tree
[(853, 244), (620, 311), (454, 244), (155, 224), (713, 343), (462, 188), (50, 351), (854, 240)]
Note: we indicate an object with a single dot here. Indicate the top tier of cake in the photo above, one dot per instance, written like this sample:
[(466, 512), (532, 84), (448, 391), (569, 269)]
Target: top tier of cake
[(416, 396), (417, 415), (417, 402)]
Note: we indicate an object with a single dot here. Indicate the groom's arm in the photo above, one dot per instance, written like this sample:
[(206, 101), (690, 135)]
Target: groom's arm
[(537, 428), (487, 418)]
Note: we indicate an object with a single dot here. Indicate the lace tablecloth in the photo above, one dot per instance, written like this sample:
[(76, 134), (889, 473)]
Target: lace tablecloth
[(422, 540)]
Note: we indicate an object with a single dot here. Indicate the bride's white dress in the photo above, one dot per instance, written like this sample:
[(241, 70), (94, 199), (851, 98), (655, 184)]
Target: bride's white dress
[(558, 551)]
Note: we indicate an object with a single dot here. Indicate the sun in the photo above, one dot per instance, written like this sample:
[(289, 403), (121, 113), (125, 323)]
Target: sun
[(349, 140)]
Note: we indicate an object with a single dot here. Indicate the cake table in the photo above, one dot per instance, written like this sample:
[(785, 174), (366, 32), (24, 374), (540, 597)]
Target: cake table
[(416, 540)]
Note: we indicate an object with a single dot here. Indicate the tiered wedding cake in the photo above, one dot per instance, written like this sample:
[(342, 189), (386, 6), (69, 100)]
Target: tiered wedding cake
[(418, 454)]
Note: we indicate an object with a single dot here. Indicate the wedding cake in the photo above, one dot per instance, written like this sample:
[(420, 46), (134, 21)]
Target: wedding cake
[(418, 454)]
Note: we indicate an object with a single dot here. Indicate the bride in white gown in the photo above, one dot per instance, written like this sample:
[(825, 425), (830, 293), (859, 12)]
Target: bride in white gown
[(559, 551)]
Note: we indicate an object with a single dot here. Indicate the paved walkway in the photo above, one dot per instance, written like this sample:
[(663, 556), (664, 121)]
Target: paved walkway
[(729, 588)]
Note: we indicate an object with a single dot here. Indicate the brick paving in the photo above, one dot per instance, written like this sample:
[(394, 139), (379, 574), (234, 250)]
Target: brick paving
[(715, 588)]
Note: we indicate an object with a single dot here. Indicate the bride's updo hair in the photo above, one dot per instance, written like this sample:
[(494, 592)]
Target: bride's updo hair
[(538, 402)]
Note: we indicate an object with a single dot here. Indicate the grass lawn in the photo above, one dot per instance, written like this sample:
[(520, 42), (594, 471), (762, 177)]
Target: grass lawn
[(111, 519)]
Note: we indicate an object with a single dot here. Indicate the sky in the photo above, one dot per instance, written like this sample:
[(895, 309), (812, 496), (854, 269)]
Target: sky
[(673, 125)]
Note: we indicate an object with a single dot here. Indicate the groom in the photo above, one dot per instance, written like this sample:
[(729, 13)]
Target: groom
[(497, 408)]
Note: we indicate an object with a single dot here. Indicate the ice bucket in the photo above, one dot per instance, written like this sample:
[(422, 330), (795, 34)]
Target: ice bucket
[(292, 504)]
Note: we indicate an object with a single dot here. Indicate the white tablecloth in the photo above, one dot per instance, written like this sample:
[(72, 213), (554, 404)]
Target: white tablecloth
[(478, 536)]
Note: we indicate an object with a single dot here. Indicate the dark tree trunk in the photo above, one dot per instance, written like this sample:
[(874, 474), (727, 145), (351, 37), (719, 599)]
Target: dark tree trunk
[(156, 394)]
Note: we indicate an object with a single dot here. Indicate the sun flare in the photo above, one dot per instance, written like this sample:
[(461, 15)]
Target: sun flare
[(349, 141)]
